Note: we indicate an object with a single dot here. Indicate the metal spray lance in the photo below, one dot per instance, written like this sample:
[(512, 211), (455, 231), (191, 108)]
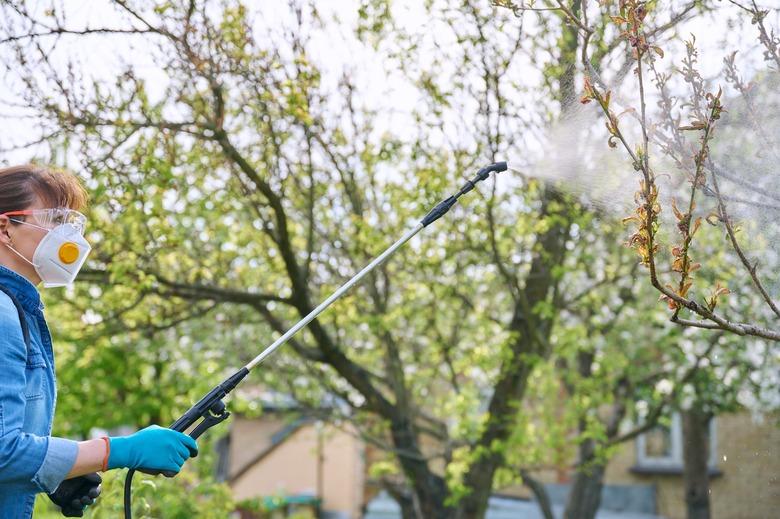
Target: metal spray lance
[(211, 410)]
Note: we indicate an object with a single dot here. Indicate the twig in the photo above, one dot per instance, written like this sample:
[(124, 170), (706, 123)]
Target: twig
[(724, 216), (83, 32)]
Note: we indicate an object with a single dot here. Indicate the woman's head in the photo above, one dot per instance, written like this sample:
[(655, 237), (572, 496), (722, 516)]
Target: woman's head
[(23, 191)]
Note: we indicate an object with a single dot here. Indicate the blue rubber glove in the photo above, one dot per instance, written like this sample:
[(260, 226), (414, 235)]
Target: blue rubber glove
[(153, 448)]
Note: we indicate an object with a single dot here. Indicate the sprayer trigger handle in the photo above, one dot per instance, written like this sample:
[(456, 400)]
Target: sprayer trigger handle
[(209, 421), (217, 413)]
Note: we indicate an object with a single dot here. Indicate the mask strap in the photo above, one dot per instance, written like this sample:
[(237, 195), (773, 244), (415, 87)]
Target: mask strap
[(16, 251), (22, 256)]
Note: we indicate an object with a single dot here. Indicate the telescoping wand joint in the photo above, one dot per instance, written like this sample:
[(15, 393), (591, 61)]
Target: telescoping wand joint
[(211, 410)]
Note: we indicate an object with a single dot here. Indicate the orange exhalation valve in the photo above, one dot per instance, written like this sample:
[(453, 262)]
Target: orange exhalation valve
[(69, 253)]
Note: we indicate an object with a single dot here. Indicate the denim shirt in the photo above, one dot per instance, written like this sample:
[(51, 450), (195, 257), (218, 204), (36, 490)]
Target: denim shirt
[(31, 461)]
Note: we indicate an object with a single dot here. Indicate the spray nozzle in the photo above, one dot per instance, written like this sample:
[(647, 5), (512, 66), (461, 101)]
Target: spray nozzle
[(484, 173)]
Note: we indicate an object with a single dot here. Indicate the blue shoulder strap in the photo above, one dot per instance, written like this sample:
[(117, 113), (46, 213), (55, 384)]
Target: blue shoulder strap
[(22, 320)]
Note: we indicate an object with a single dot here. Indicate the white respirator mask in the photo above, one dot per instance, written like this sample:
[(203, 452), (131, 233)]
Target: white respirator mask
[(63, 251)]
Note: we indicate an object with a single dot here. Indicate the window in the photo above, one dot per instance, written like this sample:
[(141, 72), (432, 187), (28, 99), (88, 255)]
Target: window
[(660, 450)]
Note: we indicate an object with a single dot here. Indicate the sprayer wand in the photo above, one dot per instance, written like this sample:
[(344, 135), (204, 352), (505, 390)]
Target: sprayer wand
[(211, 410)]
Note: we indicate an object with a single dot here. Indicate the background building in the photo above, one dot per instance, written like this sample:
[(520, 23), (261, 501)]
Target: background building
[(282, 454)]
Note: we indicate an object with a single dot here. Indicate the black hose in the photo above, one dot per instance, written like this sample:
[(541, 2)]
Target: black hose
[(128, 492)]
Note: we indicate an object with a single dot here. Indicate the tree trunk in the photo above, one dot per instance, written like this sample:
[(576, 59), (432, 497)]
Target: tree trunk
[(530, 347), (696, 453), (429, 490), (585, 495), (403, 497), (540, 493)]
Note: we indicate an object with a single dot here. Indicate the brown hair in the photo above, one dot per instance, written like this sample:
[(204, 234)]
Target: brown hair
[(19, 185)]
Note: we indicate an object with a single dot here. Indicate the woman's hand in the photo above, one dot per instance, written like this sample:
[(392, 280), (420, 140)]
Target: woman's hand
[(154, 448)]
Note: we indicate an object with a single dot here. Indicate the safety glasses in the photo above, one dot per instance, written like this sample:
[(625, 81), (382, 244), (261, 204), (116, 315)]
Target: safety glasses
[(51, 218)]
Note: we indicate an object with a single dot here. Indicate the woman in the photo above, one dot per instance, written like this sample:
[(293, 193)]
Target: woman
[(42, 241)]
